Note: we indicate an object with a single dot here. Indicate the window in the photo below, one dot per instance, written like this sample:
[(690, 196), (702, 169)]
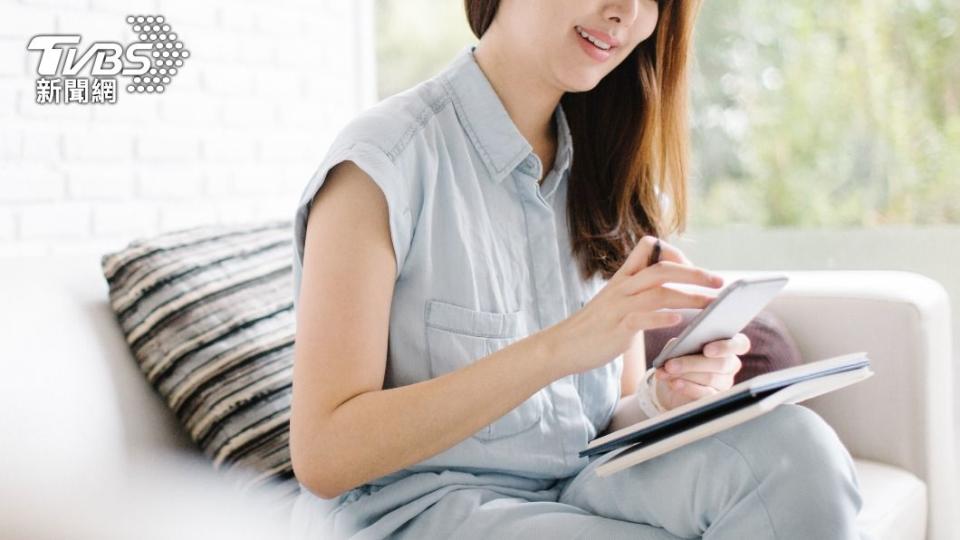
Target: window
[(416, 39), (804, 113)]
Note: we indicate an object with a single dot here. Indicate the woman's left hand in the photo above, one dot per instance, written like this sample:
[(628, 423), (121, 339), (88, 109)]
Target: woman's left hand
[(687, 378)]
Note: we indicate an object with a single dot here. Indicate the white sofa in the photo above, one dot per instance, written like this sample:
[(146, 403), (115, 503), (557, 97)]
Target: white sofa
[(77, 411)]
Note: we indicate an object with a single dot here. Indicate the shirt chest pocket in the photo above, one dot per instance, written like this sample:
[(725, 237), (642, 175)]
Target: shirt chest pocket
[(458, 336)]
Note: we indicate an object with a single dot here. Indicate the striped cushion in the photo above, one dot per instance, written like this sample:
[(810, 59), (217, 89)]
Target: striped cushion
[(208, 315)]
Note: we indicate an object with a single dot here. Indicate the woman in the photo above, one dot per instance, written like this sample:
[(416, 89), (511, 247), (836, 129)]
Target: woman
[(471, 294)]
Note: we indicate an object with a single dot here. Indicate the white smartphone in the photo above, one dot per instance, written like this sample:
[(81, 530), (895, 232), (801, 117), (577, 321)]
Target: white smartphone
[(725, 316)]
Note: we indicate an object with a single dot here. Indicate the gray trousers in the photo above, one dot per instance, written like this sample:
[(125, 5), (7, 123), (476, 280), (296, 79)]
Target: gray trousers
[(783, 475)]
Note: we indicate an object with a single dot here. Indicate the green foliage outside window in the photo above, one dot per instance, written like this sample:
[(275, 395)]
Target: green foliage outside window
[(804, 113)]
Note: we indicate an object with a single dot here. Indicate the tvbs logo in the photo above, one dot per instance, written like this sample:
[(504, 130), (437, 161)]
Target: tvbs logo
[(148, 64), (107, 57)]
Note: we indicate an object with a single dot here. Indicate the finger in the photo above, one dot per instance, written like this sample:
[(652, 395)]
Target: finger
[(638, 257), (669, 252), (669, 272), (720, 381), (691, 389), (738, 344), (692, 363), (661, 298), (645, 320), (640, 254)]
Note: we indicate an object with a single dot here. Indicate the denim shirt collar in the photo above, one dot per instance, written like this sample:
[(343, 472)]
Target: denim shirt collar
[(499, 143)]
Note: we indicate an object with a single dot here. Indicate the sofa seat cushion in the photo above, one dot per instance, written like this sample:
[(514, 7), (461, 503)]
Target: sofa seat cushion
[(894, 502)]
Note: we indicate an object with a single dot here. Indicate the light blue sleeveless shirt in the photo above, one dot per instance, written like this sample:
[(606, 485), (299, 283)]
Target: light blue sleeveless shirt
[(483, 259)]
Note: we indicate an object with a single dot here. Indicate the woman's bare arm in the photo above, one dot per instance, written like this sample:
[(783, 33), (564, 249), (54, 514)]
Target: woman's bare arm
[(627, 413), (345, 428), (634, 364)]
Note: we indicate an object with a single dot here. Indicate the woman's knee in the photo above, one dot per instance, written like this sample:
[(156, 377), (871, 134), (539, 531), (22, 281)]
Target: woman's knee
[(794, 442), (796, 429)]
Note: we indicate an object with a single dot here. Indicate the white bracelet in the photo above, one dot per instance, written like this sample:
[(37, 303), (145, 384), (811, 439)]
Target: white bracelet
[(652, 382), (646, 396)]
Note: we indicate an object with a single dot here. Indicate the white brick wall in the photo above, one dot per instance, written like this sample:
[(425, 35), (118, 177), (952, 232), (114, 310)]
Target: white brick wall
[(234, 137)]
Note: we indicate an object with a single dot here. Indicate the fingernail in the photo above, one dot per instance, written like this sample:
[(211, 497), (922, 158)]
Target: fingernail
[(678, 384)]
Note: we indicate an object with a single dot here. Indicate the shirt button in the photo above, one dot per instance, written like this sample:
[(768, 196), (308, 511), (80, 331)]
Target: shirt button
[(530, 164)]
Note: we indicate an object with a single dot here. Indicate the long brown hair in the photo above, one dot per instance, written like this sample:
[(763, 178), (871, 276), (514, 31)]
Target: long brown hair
[(630, 142)]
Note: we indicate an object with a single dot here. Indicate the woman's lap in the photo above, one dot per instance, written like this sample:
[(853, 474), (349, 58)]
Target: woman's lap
[(766, 478), (782, 475), (480, 514)]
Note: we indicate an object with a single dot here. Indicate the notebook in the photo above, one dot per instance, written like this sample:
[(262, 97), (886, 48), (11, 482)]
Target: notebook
[(748, 399)]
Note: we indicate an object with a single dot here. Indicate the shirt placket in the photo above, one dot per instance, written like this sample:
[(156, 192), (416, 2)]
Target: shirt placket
[(551, 302), (542, 239)]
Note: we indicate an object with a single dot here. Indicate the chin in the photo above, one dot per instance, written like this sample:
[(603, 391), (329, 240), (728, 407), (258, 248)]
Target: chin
[(582, 82)]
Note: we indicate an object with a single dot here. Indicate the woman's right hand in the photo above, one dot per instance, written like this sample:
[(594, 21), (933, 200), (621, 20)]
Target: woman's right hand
[(628, 303)]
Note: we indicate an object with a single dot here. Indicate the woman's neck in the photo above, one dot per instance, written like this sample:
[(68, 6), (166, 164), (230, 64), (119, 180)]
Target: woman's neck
[(529, 102)]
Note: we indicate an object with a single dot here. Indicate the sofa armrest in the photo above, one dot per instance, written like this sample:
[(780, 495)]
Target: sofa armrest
[(903, 415)]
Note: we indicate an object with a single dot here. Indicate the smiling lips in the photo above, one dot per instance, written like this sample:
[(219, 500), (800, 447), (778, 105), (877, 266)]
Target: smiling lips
[(598, 45)]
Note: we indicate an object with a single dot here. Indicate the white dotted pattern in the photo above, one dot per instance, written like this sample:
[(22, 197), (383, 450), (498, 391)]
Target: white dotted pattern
[(167, 52)]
